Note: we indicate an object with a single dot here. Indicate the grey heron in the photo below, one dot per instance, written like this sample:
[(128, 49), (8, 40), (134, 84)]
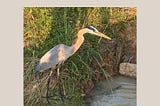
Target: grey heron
[(58, 54)]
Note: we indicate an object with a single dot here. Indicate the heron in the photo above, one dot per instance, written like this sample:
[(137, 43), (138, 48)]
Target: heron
[(58, 54)]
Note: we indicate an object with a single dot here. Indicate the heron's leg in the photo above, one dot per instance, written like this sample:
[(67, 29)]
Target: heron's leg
[(47, 85), (59, 83)]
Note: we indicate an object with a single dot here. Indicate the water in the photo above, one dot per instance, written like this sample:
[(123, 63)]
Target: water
[(123, 92)]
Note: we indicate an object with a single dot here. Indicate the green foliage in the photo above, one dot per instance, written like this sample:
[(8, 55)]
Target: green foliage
[(37, 26), (46, 27)]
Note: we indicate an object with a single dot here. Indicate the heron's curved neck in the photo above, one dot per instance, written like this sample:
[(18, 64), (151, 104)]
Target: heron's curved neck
[(79, 40)]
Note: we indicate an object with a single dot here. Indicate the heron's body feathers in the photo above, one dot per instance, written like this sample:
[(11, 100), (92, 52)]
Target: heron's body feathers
[(54, 56)]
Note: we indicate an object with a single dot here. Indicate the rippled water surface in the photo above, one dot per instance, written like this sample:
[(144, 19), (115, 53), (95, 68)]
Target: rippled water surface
[(123, 93)]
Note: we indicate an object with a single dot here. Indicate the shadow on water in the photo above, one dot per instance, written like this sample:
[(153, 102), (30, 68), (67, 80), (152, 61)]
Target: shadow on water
[(120, 91)]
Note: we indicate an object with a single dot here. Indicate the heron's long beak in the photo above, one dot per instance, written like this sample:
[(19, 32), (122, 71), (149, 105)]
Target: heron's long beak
[(102, 35)]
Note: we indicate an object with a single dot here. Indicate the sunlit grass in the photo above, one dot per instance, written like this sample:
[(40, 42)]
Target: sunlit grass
[(46, 27)]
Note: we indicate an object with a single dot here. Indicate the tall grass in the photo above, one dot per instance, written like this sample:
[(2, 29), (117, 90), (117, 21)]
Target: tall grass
[(46, 27)]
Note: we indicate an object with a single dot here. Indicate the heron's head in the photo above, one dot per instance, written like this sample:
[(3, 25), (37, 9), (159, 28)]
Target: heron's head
[(93, 30)]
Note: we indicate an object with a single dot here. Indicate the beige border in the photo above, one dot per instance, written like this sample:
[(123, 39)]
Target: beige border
[(78, 3), (148, 54), (11, 41), (11, 54)]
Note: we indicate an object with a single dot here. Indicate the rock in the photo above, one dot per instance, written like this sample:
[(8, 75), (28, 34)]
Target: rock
[(128, 69)]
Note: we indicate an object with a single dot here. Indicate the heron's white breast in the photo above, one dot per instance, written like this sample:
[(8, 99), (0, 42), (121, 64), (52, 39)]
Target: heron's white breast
[(61, 54)]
